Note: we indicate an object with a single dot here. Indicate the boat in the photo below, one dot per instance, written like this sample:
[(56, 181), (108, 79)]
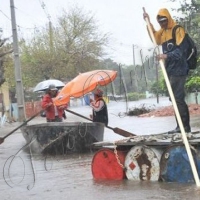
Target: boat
[(63, 137), (155, 157)]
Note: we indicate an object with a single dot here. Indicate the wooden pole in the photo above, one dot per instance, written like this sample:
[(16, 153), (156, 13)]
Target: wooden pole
[(116, 129), (194, 170)]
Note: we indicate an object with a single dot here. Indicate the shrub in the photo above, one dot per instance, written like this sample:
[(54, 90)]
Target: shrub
[(135, 96)]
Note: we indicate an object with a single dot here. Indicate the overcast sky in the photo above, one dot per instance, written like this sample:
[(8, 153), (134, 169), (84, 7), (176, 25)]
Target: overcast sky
[(121, 18)]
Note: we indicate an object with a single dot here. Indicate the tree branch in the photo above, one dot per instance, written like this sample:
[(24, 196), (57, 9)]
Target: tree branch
[(5, 53)]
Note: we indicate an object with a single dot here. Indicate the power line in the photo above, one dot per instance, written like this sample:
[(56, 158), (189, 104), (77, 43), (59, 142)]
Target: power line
[(19, 26), (26, 14), (5, 15), (45, 10)]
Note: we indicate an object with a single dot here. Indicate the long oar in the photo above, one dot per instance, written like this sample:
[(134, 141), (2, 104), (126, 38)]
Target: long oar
[(24, 123), (116, 130), (194, 170)]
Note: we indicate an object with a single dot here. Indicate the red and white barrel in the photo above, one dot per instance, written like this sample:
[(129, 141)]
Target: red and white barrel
[(107, 164), (143, 163)]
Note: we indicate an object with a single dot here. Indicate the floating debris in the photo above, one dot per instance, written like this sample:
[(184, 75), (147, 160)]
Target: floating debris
[(141, 109)]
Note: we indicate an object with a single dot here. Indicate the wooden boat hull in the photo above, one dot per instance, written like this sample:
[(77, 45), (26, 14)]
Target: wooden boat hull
[(62, 137)]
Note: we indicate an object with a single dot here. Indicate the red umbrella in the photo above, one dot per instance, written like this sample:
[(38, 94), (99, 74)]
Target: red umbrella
[(83, 84)]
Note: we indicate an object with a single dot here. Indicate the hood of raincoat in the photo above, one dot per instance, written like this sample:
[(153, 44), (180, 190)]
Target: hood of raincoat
[(165, 13), (176, 64)]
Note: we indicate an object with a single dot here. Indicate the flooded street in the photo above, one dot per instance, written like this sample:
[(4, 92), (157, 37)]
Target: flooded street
[(23, 176)]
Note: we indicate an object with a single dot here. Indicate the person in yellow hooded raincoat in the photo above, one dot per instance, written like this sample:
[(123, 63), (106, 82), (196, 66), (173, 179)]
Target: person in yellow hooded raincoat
[(174, 56)]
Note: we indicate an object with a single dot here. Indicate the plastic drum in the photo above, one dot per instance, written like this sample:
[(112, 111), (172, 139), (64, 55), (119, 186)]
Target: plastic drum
[(106, 166), (175, 165), (142, 163)]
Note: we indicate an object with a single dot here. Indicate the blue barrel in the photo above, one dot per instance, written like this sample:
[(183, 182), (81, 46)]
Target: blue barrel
[(175, 165)]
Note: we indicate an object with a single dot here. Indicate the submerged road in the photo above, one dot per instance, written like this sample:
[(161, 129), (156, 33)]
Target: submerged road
[(36, 177)]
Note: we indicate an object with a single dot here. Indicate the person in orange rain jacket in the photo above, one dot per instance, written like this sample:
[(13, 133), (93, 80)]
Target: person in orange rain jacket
[(99, 108), (53, 113)]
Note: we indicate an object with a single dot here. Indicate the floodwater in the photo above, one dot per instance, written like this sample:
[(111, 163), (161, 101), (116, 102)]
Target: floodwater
[(23, 176)]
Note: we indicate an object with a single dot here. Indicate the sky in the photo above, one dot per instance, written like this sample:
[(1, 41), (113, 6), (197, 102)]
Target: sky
[(122, 19)]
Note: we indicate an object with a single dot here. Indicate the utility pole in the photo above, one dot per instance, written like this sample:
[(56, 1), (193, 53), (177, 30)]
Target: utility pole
[(124, 85), (157, 79), (50, 37), (136, 83), (17, 65)]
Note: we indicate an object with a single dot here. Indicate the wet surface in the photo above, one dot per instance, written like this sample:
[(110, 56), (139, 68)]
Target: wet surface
[(70, 176)]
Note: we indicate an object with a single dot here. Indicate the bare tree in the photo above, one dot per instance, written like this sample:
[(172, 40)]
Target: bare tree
[(3, 52), (75, 44)]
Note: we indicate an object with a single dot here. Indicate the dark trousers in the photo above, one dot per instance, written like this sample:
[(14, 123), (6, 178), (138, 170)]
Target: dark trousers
[(177, 84), (57, 119)]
